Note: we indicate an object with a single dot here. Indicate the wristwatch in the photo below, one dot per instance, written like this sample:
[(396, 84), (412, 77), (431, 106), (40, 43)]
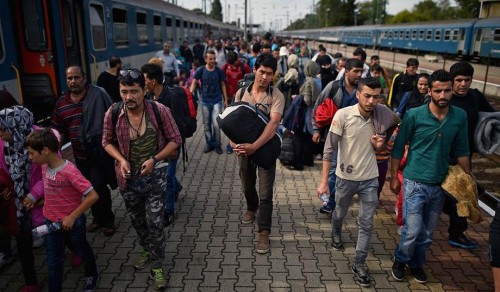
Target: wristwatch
[(154, 159)]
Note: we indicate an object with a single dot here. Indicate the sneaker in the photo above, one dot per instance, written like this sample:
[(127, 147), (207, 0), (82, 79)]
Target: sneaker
[(32, 288), (158, 278), (179, 189), (93, 227), (38, 241), (218, 150), (337, 243), (142, 261), (248, 217), (6, 259), (168, 220), (263, 245), (325, 210), (229, 149), (362, 276), (400, 229), (75, 260), (91, 283), (463, 241), (398, 270), (419, 275)]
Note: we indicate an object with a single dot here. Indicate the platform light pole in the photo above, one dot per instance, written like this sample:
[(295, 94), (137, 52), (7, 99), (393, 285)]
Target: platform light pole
[(245, 25)]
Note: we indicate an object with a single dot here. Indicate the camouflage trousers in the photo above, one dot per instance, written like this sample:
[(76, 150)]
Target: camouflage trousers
[(144, 199)]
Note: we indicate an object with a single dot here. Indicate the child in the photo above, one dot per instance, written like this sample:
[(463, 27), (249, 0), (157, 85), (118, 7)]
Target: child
[(182, 78), (64, 186)]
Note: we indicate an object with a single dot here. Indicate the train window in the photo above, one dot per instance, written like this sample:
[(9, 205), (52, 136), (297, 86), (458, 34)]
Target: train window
[(169, 27), (142, 28), (96, 13), (496, 36), (414, 34), (191, 25), (437, 35), (454, 37), (447, 35), (157, 28), (407, 35), (185, 24), (421, 35), (33, 25), (486, 35), (429, 35), (120, 27), (177, 23)]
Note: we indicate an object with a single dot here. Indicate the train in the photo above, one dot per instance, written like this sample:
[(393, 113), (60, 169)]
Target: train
[(39, 39), (467, 39)]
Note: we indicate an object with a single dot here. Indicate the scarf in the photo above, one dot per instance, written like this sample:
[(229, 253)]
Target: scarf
[(18, 121)]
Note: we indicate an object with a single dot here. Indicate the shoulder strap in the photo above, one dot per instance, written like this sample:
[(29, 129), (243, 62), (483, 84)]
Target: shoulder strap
[(242, 68), (242, 91), (158, 119), (115, 112)]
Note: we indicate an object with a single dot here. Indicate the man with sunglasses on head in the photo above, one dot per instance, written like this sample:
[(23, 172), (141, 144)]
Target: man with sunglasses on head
[(78, 116), (140, 143)]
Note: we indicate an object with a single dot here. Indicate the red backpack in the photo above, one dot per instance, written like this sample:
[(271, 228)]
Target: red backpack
[(325, 112)]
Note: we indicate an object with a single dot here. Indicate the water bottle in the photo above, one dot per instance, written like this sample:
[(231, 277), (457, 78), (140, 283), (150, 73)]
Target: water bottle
[(324, 198), (46, 229)]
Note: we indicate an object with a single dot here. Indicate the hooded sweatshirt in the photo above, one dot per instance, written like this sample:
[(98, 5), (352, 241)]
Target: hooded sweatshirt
[(310, 89)]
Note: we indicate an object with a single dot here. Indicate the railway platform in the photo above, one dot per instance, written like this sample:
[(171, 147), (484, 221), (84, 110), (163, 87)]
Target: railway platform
[(209, 249)]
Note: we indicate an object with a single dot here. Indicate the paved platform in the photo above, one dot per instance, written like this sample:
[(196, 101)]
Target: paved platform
[(209, 249)]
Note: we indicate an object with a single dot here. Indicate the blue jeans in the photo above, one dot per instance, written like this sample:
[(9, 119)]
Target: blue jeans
[(422, 205), (173, 184), (368, 201), (332, 177), (210, 112), (76, 240)]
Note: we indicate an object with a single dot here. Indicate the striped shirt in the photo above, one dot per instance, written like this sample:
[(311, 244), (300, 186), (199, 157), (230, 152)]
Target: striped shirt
[(67, 118), (123, 133), (64, 188)]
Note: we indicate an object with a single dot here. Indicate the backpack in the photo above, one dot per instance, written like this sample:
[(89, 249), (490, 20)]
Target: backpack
[(242, 68), (245, 82), (184, 111), (327, 109), (243, 59)]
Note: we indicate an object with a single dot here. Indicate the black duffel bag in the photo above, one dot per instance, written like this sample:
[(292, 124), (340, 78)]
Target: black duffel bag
[(244, 123)]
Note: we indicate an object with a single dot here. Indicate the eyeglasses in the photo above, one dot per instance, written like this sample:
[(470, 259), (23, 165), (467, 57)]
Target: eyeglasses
[(133, 73)]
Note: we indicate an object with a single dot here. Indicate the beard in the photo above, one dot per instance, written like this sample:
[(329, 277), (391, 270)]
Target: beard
[(441, 102)]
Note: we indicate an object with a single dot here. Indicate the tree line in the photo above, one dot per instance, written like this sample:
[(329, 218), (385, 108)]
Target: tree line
[(349, 13)]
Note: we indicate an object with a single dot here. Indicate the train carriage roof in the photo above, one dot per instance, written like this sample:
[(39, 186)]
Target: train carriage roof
[(488, 22)]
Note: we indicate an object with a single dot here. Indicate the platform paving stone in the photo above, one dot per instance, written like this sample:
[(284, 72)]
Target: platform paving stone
[(209, 249)]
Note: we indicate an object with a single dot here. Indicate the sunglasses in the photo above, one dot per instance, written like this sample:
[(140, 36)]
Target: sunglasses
[(133, 73)]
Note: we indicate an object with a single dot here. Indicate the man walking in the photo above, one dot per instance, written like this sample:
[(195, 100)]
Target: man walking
[(108, 79), (435, 132), (260, 92), (357, 132), (402, 83), (213, 96), (170, 66), (78, 115), (139, 143), (472, 101)]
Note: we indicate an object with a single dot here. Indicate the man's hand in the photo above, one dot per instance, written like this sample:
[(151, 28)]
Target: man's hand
[(6, 193), (378, 141), (322, 188), (395, 185), (244, 149), (316, 137), (125, 168), (147, 167)]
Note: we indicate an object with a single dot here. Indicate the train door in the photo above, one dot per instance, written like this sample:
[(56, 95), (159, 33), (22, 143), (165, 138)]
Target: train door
[(72, 29), (477, 42), (36, 44), (461, 40)]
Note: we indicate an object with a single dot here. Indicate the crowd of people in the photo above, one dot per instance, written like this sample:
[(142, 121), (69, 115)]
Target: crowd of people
[(128, 132)]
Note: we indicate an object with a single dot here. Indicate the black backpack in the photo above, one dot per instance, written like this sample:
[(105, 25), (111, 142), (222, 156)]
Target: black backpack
[(183, 107)]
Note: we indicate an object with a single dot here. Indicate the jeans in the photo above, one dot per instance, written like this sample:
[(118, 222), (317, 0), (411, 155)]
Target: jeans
[(77, 242), (173, 184), (332, 177), (101, 210), (262, 201), (368, 201), (210, 112), (144, 200), (422, 205)]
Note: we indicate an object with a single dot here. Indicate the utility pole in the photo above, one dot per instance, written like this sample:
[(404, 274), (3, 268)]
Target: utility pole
[(245, 25)]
